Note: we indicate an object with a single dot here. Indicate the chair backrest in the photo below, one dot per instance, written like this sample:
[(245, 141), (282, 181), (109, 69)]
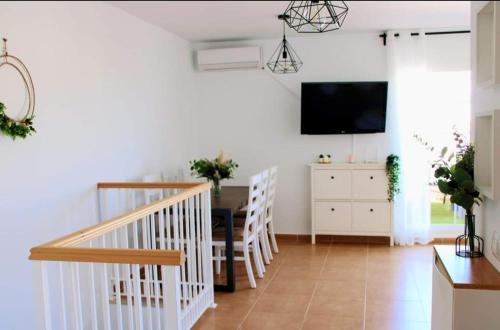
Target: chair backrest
[(264, 188), (254, 207), (151, 195), (271, 193)]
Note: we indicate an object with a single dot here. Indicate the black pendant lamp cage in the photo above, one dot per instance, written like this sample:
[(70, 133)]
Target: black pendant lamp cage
[(316, 16), (284, 58)]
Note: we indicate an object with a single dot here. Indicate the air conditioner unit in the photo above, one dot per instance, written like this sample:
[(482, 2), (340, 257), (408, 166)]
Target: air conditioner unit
[(230, 59)]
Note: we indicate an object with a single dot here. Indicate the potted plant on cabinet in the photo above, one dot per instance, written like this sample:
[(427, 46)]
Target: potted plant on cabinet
[(456, 179)]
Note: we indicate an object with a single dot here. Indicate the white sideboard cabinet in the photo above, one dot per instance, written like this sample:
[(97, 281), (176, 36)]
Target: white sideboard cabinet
[(465, 292), (350, 199)]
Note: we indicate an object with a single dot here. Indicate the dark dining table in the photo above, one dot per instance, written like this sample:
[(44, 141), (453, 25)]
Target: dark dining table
[(230, 202)]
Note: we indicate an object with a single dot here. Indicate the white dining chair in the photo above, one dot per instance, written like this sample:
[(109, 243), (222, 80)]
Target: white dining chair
[(265, 229), (246, 239), (269, 210), (151, 195), (262, 230)]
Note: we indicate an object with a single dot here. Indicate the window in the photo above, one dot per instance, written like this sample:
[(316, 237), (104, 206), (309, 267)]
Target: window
[(448, 107)]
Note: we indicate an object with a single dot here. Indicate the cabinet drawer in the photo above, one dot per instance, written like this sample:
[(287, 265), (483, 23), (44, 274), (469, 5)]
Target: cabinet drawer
[(332, 184), (371, 217), (333, 216), (369, 184)]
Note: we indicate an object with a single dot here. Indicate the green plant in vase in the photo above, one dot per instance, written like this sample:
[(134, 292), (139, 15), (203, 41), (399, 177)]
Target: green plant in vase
[(214, 170), (455, 178)]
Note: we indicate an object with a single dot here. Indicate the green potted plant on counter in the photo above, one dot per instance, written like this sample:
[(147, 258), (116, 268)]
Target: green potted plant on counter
[(214, 170), (455, 178)]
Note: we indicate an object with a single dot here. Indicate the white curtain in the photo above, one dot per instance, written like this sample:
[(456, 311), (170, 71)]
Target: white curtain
[(407, 98)]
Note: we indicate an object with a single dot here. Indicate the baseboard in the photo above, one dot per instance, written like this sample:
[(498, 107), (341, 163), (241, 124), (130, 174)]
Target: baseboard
[(294, 237), (444, 240), (334, 239), (352, 239)]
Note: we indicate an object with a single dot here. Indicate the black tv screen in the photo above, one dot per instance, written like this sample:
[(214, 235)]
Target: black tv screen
[(343, 107)]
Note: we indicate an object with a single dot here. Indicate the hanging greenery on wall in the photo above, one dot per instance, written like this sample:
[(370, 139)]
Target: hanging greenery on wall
[(392, 170), (13, 128), (9, 126)]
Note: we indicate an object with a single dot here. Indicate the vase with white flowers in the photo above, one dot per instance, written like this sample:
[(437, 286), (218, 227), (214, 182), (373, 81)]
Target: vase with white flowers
[(214, 170)]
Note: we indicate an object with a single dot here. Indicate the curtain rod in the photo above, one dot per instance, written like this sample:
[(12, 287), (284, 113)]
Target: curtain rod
[(384, 35)]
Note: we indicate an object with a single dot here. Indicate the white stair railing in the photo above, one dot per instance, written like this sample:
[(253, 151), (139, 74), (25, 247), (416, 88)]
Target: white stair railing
[(149, 268)]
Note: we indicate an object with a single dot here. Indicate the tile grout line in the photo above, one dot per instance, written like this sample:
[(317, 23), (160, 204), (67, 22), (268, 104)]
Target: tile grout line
[(421, 298), (315, 287), (366, 285), (240, 326)]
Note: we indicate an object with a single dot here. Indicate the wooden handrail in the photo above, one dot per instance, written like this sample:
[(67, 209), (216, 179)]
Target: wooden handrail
[(67, 248), (105, 255), (89, 233), (147, 185)]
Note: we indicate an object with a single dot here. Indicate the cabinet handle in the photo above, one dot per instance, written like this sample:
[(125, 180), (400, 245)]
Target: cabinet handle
[(333, 209), (332, 177), (371, 178), (371, 210)]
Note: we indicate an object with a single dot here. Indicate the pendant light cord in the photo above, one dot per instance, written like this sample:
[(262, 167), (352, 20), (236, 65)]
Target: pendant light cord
[(284, 36)]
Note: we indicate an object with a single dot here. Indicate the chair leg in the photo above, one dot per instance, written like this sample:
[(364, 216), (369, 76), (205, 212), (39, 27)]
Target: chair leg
[(265, 252), (257, 258), (273, 237), (218, 253), (248, 264), (267, 244)]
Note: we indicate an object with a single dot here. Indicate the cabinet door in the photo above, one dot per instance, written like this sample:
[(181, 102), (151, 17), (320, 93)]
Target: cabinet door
[(371, 217), (332, 184), (476, 309), (442, 298), (333, 216), (369, 184)]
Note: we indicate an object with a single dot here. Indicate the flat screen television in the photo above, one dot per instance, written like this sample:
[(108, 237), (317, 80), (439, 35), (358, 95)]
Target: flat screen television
[(343, 107)]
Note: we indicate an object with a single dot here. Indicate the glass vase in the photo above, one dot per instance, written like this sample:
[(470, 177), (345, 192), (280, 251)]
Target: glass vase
[(469, 245), (216, 187)]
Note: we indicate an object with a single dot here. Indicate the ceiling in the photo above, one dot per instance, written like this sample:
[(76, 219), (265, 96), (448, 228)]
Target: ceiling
[(238, 20)]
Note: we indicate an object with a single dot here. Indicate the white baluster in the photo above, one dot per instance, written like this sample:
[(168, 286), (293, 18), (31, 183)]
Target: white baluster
[(168, 225), (137, 278), (207, 219), (93, 300), (192, 243), (99, 205), (63, 297), (184, 289), (176, 226), (137, 297), (77, 299), (145, 234), (147, 275), (155, 283), (128, 286), (105, 292), (171, 296), (118, 290), (199, 250), (42, 295), (187, 243)]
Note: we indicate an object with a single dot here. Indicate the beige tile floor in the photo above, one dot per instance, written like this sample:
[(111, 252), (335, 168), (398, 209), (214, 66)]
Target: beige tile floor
[(331, 286)]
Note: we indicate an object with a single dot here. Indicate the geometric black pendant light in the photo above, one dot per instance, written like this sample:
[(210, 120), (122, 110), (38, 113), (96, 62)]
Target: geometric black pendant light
[(284, 58), (316, 16)]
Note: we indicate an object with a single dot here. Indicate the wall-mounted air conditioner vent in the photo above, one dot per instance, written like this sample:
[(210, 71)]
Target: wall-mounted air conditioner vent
[(230, 59)]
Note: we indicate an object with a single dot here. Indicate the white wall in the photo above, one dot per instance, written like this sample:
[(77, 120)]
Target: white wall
[(255, 115), (114, 102), (484, 100)]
